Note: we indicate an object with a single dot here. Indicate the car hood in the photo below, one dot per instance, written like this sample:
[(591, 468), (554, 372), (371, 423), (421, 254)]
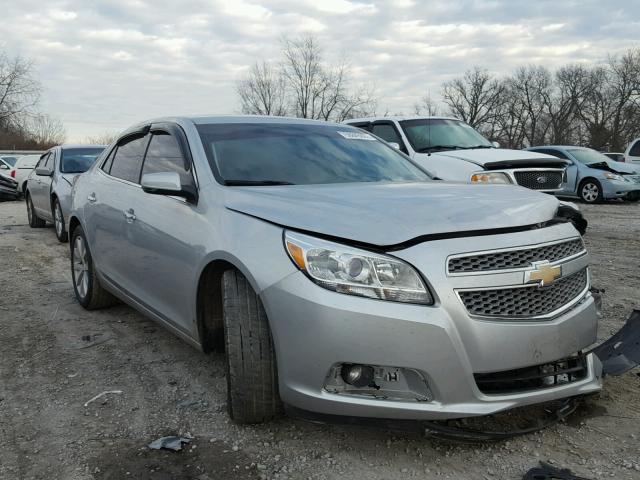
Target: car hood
[(69, 177), (502, 157), (385, 214), (616, 167)]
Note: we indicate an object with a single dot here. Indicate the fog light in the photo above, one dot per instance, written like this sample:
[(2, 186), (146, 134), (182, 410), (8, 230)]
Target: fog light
[(357, 375)]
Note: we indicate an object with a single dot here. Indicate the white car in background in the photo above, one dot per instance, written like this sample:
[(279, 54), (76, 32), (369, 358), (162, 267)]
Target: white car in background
[(452, 150), (632, 155), (23, 167)]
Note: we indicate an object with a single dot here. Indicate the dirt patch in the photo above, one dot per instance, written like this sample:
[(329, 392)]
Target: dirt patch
[(55, 356)]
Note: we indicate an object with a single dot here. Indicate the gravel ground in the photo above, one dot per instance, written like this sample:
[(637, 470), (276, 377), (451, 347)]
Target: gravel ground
[(54, 357)]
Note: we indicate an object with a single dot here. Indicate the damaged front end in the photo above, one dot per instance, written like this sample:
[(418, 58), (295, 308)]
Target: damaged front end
[(621, 352)]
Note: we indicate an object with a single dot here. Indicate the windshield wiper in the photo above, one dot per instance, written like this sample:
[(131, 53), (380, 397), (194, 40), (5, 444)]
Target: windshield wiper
[(475, 146), (249, 183), (437, 147)]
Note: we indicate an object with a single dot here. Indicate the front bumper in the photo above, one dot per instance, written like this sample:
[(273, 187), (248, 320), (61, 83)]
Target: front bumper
[(315, 329), (614, 189)]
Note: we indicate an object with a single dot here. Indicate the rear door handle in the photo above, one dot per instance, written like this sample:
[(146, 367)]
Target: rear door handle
[(92, 197), (129, 215)]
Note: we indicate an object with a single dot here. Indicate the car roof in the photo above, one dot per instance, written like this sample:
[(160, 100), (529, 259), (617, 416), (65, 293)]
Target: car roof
[(401, 118), (79, 145), (221, 119)]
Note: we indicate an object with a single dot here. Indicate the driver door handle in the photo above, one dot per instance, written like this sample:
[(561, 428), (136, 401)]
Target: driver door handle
[(129, 215), (92, 197)]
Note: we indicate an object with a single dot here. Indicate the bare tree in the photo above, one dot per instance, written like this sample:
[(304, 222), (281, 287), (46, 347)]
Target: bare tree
[(304, 85), (104, 138), (19, 91), (473, 98), (426, 106), (45, 131), (262, 91)]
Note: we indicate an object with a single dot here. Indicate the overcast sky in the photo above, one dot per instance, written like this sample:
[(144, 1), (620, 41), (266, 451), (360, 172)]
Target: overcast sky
[(107, 64)]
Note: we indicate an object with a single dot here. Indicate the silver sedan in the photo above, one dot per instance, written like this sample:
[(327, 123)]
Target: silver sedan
[(48, 186), (336, 274)]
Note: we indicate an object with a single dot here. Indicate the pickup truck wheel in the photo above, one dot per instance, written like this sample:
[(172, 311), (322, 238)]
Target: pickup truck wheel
[(58, 220), (591, 191), (34, 220), (252, 381), (86, 284)]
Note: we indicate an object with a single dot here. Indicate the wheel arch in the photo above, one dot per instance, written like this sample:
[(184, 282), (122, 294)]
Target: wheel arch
[(209, 299)]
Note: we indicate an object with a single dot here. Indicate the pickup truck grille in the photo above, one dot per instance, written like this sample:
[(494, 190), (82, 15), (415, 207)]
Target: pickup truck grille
[(527, 301), (515, 258), (539, 179)]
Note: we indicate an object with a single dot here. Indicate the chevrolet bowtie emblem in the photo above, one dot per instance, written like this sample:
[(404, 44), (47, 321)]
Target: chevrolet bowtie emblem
[(542, 273)]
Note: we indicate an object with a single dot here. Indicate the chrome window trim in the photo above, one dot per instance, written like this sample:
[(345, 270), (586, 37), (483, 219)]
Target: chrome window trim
[(547, 316), (513, 249)]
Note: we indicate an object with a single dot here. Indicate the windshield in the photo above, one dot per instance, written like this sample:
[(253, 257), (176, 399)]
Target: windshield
[(10, 160), (427, 134), (586, 155), (78, 160), (301, 154)]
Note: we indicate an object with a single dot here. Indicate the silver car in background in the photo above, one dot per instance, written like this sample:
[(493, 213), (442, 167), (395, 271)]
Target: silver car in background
[(48, 186), (338, 276)]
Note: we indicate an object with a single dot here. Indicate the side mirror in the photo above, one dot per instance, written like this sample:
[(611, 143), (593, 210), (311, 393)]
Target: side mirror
[(168, 183), (495, 144), (394, 145), (44, 172), (3, 166)]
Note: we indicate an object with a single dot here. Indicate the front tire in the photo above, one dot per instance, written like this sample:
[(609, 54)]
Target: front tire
[(34, 220), (86, 285), (252, 381), (58, 220), (591, 191)]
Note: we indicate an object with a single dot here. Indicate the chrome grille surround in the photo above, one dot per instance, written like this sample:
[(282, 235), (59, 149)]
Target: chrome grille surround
[(529, 301), (515, 258)]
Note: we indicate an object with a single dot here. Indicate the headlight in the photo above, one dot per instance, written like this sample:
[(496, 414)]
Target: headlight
[(352, 271), (496, 178), (613, 176)]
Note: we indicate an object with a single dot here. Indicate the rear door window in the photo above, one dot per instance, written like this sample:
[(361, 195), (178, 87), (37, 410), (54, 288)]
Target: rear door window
[(127, 162), (164, 155), (635, 150)]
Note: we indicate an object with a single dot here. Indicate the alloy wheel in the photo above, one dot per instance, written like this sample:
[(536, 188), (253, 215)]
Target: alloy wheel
[(590, 192), (80, 267)]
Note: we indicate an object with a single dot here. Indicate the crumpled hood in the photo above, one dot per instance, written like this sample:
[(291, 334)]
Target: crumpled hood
[(617, 167), (385, 214), (483, 156)]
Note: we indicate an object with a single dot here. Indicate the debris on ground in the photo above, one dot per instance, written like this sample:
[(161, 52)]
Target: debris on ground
[(621, 352), (100, 395), (547, 472), (169, 443)]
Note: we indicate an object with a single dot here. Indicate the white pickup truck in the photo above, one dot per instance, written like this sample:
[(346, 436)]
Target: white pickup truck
[(452, 150)]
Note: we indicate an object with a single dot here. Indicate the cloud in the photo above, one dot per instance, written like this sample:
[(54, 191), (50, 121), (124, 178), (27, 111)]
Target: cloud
[(105, 65)]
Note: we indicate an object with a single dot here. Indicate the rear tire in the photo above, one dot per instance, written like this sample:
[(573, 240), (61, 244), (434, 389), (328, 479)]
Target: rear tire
[(86, 285), (252, 380), (34, 220), (58, 222), (590, 191)]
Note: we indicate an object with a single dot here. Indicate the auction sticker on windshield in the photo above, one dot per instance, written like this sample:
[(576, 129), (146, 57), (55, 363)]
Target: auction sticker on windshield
[(356, 135)]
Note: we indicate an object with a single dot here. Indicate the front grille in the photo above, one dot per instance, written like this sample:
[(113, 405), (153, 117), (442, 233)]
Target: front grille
[(526, 301), (515, 258), (539, 179), (548, 375)]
